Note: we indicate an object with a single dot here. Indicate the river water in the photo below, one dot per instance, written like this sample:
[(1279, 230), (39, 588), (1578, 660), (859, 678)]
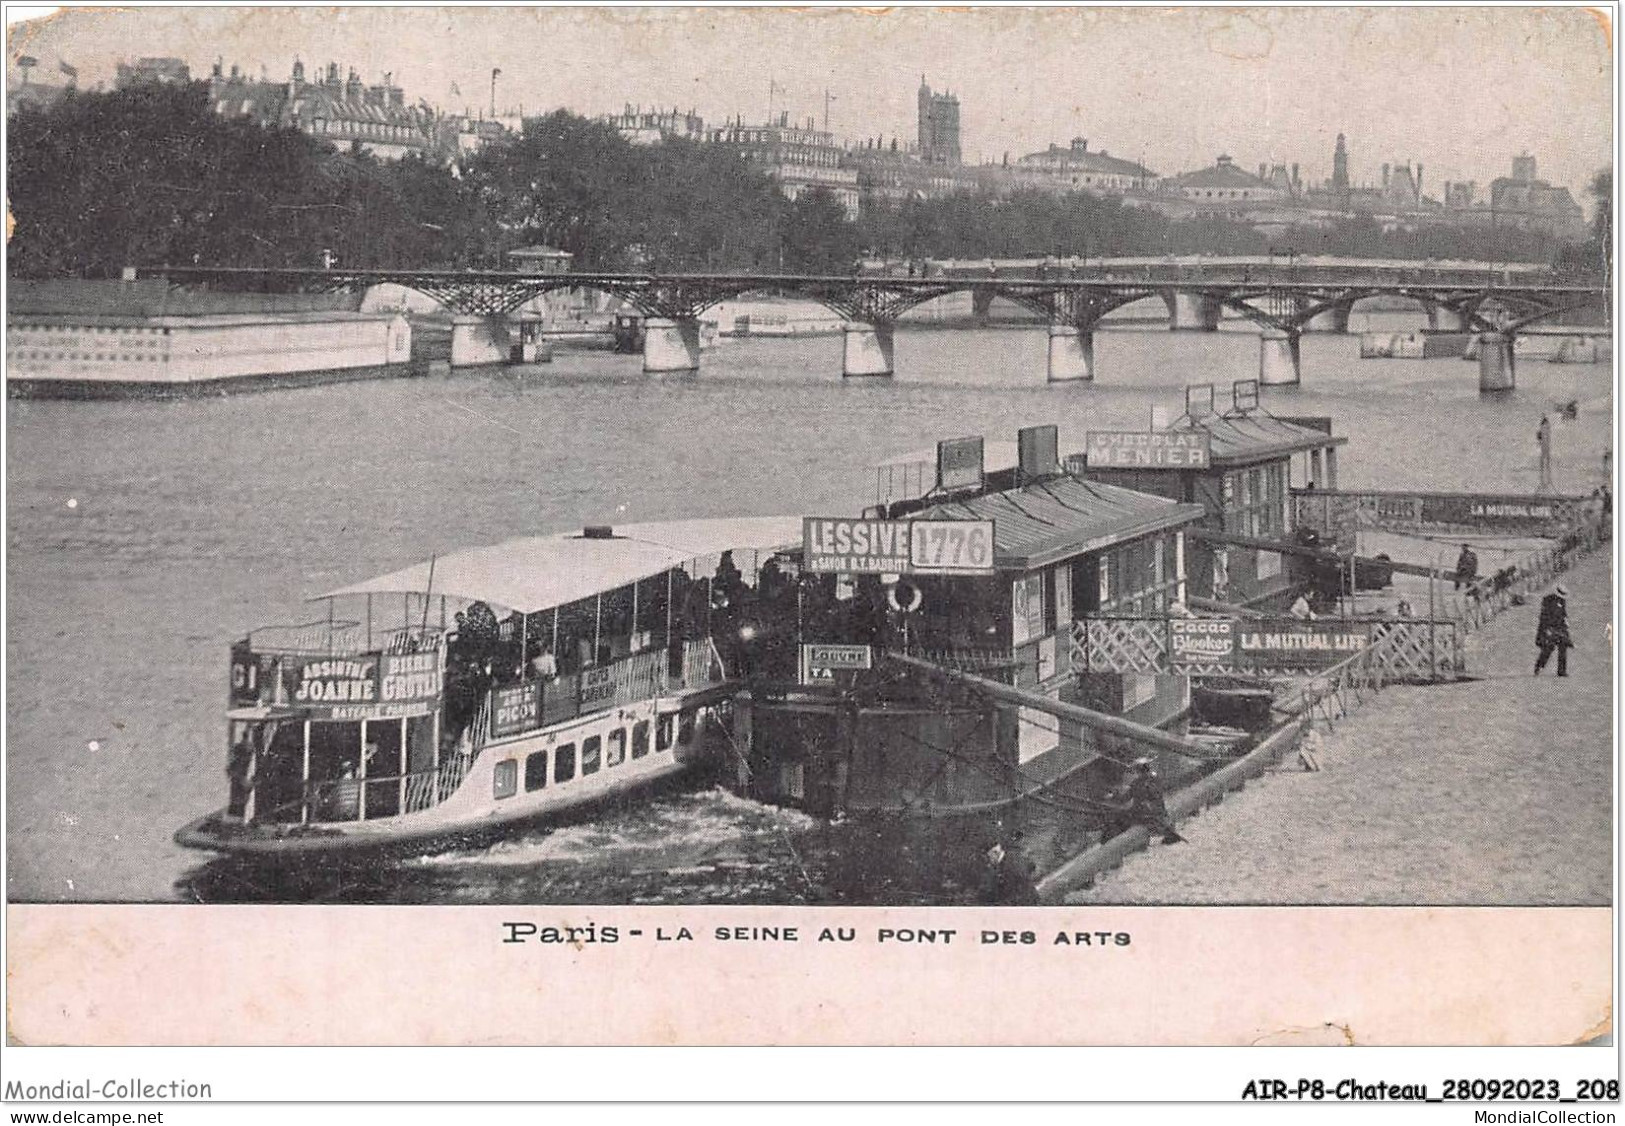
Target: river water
[(144, 536)]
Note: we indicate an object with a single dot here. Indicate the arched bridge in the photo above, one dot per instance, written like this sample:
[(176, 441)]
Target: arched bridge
[(1283, 304)]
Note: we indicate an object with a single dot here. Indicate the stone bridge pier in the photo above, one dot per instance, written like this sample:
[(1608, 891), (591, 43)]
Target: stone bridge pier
[(867, 348), (1071, 353), (1495, 362), (1192, 312), (1280, 360), (479, 340), (671, 344)]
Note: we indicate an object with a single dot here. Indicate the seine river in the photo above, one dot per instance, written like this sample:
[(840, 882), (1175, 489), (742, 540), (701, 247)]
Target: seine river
[(144, 537)]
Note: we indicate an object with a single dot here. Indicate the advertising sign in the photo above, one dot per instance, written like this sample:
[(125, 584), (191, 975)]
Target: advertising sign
[(1038, 452), (959, 463), (1202, 641), (901, 547), (951, 547), (516, 709), (820, 663), (1297, 645), (1149, 449), (324, 682), (409, 678), (848, 657), (597, 688)]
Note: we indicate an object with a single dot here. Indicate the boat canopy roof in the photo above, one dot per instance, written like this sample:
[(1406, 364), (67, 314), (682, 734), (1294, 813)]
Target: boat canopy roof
[(539, 572)]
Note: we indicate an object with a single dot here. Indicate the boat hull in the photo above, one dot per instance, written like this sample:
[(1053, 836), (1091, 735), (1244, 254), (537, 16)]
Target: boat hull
[(494, 798)]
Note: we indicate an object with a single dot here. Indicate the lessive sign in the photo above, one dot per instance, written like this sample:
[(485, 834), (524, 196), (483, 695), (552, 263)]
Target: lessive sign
[(1202, 641), (899, 547), (1149, 449)]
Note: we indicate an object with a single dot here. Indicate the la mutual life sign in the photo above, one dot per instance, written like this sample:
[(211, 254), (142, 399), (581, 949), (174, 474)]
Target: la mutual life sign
[(1149, 449)]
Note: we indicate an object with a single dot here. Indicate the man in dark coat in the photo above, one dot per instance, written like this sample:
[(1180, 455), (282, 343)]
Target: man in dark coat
[(1145, 805), (1552, 632), (1466, 567)]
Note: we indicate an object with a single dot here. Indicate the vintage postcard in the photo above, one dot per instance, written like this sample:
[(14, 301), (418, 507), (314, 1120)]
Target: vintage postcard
[(810, 526)]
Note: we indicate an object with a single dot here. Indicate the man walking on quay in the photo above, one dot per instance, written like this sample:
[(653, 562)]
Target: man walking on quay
[(1552, 632)]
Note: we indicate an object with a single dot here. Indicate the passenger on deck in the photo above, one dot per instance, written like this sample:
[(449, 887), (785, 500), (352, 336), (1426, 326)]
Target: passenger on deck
[(543, 665), (1301, 610), (1466, 567), (238, 765)]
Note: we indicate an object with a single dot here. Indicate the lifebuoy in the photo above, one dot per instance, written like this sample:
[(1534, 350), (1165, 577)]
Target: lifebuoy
[(904, 597)]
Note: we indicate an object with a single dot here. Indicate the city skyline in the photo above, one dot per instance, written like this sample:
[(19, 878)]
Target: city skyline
[(1275, 85)]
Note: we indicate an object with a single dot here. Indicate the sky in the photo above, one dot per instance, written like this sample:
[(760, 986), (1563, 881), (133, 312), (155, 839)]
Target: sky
[(1460, 90)]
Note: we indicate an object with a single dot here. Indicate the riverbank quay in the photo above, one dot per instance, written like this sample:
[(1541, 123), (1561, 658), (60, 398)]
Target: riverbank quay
[(1493, 791)]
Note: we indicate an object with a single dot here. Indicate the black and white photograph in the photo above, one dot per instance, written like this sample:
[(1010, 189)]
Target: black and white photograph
[(1059, 458)]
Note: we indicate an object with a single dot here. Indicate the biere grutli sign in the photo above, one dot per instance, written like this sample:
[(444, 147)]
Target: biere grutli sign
[(897, 547), (1149, 449)]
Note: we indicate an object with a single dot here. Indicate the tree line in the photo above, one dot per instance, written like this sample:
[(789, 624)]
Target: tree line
[(151, 175)]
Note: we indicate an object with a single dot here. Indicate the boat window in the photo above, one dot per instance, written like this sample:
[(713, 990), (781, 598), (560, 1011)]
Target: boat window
[(505, 779), (564, 763), (664, 731), (589, 755), (640, 738), (535, 771), (616, 754), (685, 729)]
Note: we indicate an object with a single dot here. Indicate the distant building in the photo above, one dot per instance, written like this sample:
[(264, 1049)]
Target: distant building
[(1223, 187), (345, 112), (1340, 166), (1524, 201), (1076, 168), (938, 126), (651, 126), (152, 72), (799, 157)]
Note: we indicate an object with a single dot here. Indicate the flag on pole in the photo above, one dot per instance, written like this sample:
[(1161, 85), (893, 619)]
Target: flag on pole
[(496, 72), (71, 72), (455, 92)]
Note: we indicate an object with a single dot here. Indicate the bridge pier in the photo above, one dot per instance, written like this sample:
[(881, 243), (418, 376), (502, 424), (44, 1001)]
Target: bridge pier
[(1192, 312), (866, 348), (981, 304), (1071, 354), (671, 344), (1442, 318), (479, 340), (1279, 359), (1495, 362)]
